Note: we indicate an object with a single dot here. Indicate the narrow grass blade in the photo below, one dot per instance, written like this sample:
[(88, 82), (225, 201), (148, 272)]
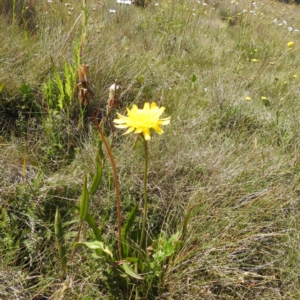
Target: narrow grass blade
[(59, 234), (186, 221), (84, 204)]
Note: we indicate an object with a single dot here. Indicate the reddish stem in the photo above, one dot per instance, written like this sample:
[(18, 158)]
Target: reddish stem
[(115, 179)]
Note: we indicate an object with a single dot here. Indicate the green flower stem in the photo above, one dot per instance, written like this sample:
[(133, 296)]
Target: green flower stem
[(145, 195)]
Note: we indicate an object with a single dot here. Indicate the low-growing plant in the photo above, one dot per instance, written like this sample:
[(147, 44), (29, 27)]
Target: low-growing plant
[(63, 116), (136, 266)]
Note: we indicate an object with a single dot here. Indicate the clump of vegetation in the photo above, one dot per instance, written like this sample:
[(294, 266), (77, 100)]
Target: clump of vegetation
[(209, 209)]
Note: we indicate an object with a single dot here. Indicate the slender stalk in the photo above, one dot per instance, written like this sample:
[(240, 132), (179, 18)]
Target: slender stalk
[(145, 195), (112, 161)]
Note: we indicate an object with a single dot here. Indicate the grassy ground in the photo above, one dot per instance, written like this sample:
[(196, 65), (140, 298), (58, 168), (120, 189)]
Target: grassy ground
[(236, 160)]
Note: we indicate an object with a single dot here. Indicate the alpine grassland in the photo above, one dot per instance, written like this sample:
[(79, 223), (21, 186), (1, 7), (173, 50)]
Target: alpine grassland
[(149, 150)]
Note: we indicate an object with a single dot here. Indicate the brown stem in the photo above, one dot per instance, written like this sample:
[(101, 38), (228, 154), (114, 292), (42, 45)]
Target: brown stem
[(110, 155)]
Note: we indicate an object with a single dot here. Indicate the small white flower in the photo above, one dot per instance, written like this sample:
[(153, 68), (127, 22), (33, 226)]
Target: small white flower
[(113, 11), (245, 10), (124, 1), (275, 21), (284, 22), (296, 30), (290, 29), (279, 24)]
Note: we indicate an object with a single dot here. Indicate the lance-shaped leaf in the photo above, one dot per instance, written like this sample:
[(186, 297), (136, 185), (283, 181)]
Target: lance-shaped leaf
[(84, 204), (128, 270), (97, 178), (91, 221), (96, 245), (100, 153), (128, 224), (59, 234)]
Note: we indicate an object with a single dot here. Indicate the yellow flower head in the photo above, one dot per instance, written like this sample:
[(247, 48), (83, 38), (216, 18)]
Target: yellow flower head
[(248, 98), (141, 120), (290, 44)]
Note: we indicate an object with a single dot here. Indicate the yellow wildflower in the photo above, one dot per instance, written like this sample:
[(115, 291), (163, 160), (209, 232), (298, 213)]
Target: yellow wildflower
[(142, 120), (263, 98), (290, 44), (254, 60), (248, 98)]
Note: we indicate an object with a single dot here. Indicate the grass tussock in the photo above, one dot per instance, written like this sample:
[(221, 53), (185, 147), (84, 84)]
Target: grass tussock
[(230, 157)]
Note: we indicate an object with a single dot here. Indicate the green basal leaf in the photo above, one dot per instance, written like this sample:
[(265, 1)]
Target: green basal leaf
[(168, 248), (175, 237), (95, 246), (84, 204), (128, 270), (100, 150), (92, 223), (125, 230), (159, 256), (96, 179), (90, 220), (58, 225)]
